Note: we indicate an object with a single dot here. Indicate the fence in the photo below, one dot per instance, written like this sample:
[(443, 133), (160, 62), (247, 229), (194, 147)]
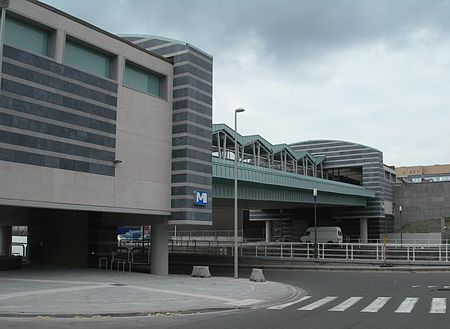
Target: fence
[(350, 252)]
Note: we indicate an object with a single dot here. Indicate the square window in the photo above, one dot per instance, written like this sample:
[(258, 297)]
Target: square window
[(26, 36), (87, 59), (142, 80)]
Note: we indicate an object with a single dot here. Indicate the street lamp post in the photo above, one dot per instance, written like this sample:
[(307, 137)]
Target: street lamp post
[(3, 5), (236, 274), (401, 229), (315, 223)]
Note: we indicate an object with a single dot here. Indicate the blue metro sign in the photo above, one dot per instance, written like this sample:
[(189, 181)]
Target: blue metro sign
[(200, 198)]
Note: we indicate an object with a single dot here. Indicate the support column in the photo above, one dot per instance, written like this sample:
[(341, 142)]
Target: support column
[(268, 231), (160, 250), (363, 235), (5, 240)]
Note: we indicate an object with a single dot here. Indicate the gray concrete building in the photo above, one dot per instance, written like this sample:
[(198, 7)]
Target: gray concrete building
[(93, 136), (192, 122)]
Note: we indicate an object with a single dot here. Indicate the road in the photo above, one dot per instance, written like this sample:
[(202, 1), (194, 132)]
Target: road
[(334, 300)]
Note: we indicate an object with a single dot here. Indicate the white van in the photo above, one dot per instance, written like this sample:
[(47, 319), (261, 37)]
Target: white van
[(325, 234)]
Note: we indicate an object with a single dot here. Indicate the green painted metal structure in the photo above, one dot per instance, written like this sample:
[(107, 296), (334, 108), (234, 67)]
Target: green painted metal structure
[(266, 184), (245, 140)]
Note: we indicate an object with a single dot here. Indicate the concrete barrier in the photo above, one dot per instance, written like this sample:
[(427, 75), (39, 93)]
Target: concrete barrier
[(257, 275), (201, 272)]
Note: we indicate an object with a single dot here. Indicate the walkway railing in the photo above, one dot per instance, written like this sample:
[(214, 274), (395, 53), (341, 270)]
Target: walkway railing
[(351, 252)]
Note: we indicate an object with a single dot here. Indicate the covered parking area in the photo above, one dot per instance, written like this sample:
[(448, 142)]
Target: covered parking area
[(78, 238)]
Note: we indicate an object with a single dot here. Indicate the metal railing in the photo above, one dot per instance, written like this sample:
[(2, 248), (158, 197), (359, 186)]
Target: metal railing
[(350, 252), (125, 257), (193, 234)]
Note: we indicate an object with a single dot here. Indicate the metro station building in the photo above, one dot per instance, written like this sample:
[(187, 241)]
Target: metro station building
[(99, 131)]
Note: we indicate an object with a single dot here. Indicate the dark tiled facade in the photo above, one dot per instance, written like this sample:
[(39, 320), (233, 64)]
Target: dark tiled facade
[(55, 116), (192, 125), (341, 154)]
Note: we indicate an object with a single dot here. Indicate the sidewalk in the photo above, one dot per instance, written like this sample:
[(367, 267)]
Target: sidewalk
[(68, 292)]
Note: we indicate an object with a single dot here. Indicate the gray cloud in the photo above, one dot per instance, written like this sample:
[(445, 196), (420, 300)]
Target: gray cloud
[(284, 27), (371, 71)]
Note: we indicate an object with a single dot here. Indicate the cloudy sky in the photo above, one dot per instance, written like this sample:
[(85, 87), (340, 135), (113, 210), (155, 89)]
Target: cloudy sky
[(375, 72)]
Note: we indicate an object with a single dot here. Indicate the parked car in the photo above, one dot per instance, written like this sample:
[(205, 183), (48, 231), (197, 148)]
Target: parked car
[(132, 236)]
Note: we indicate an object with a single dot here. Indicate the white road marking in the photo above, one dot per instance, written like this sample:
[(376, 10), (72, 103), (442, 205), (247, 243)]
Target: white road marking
[(317, 304), (431, 286), (345, 304), (438, 305), (415, 286), (280, 307), (446, 287), (376, 305), (407, 305)]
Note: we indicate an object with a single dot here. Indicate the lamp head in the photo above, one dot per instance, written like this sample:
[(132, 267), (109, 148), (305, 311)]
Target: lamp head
[(315, 192), (239, 110)]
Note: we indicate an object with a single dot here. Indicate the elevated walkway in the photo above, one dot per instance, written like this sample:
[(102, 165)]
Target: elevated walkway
[(267, 184)]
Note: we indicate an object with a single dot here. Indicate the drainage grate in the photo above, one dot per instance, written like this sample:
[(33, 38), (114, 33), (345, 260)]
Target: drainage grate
[(443, 289), (117, 284)]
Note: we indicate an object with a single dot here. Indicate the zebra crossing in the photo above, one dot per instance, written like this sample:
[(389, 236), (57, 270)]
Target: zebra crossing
[(407, 305)]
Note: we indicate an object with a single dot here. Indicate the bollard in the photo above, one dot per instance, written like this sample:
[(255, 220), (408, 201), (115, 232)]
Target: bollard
[(257, 275), (201, 272)]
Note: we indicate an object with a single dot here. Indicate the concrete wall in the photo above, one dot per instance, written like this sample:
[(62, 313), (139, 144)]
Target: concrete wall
[(411, 238), (141, 183), (425, 208), (422, 201)]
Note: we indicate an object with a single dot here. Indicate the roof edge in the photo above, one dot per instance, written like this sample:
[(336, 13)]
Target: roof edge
[(96, 28)]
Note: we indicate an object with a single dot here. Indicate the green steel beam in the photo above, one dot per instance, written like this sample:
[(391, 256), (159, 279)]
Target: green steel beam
[(272, 179), (224, 189)]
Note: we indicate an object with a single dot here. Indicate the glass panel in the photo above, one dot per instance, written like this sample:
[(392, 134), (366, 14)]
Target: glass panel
[(142, 80), (87, 59), (26, 37)]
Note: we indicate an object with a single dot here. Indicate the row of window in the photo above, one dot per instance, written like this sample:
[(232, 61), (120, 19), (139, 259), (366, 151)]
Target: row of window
[(445, 178), (37, 40)]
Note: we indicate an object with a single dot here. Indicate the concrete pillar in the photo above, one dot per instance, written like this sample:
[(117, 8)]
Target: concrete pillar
[(5, 240), (160, 250), (363, 235), (268, 231)]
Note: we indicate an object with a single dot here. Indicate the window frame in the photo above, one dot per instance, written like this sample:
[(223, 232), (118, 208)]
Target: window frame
[(112, 69), (161, 78), (50, 33)]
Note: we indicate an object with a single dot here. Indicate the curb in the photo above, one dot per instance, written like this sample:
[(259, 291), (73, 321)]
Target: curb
[(116, 314)]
